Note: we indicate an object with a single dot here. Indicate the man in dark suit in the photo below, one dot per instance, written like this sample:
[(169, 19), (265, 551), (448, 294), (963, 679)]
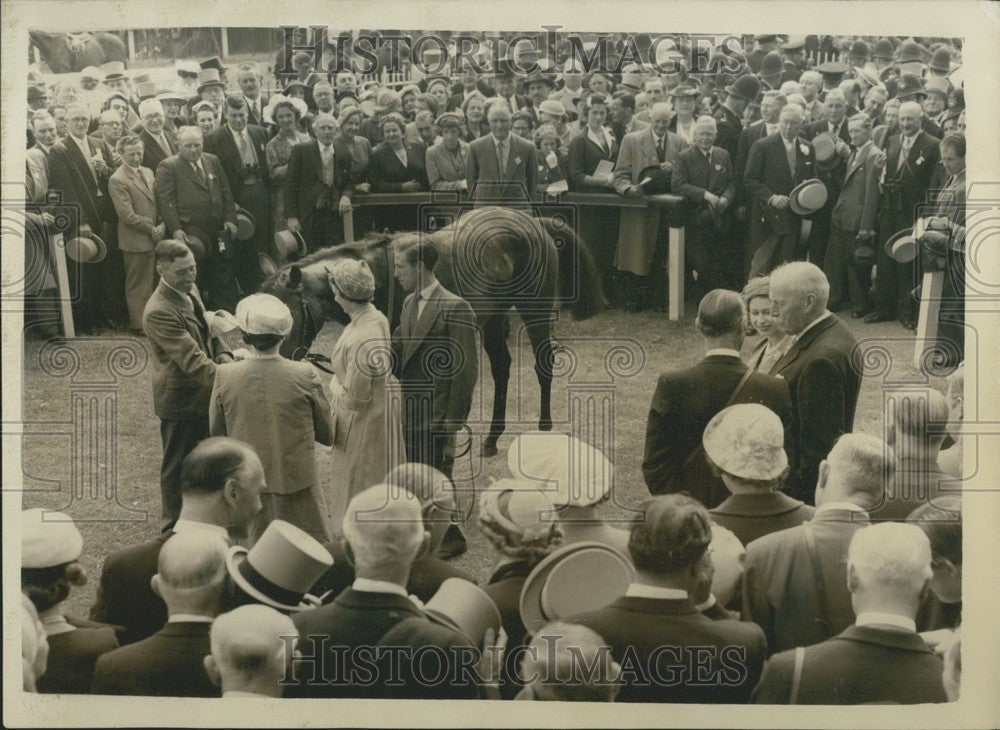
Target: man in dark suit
[(776, 164), (820, 366), (729, 114), (194, 199), (501, 166), (432, 318), (190, 578), (157, 145), (240, 149), (185, 354), (505, 84), (793, 580), (910, 160), (686, 400), (318, 186), (220, 484), (656, 630), (771, 104), (888, 571), (832, 173), (367, 642), (249, 80)]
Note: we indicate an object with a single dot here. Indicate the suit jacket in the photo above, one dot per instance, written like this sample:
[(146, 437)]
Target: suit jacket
[(487, 184), (125, 598), (729, 125), (812, 130), (912, 176), (638, 151), (779, 583), (297, 412), (152, 153), (72, 175), (445, 171), (824, 381), (856, 668), (582, 159), (694, 174), (341, 642), (682, 405), (446, 322), (767, 173), (183, 355), (252, 116), (750, 516), (220, 143), (857, 205), (37, 168), (914, 483), (72, 656), (167, 664), (387, 172), (134, 198), (669, 634), (304, 179), (186, 201), (756, 131)]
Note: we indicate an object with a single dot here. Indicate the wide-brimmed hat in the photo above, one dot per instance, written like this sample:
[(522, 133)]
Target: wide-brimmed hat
[(570, 471), (280, 568), (868, 75), (299, 104), (290, 243), (551, 106), (574, 579), (908, 85), (746, 88), (48, 539), (86, 249), (263, 314), (902, 246), (941, 60), (209, 77), (807, 197), (465, 607), (246, 224), (748, 441), (521, 509), (353, 279)]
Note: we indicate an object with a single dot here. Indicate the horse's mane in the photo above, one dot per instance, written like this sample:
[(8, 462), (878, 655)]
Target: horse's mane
[(363, 249)]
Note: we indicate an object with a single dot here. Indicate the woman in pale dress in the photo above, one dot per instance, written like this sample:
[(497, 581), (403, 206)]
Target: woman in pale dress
[(285, 113), (774, 343), (368, 435)]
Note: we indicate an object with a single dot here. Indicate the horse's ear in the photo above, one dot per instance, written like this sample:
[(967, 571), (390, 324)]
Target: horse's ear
[(267, 264), (295, 276)]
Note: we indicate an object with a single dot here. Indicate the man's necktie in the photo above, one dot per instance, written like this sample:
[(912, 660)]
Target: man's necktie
[(327, 155), (417, 298), (165, 145), (502, 156), (201, 172), (790, 154), (661, 149), (199, 312), (246, 149)]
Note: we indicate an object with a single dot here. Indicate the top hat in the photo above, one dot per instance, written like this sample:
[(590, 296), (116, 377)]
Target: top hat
[(937, 85), (883, 50), (902, 246), (187, 68), (145, 90), (941, 60), (859, 49), (290, 242), (574, 579), (807, 197), (746, 88), (280, 568), (86, 249), (908, 85), (465, 607), (213, 62), (36, 93), (113, 70), (209, 77), (771, 64), (246, 224)]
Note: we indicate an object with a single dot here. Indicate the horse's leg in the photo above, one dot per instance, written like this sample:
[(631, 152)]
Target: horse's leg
[(539, 326), (496, 350)]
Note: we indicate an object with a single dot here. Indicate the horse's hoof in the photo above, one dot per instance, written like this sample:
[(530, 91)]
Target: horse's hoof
[(488, 450), (545, 424)]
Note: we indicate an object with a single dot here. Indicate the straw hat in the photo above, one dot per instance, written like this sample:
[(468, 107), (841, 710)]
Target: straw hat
[(807, 197), (89, 249)]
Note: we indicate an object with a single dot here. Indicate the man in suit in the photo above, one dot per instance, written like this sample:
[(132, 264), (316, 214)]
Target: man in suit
[(318, 186), (910, 160), (44, 127), (811, 82), (194, 198), (504, 82), (658, 611), (157, 146), (367, 642), (190, 578), (249, 651), (432, 318), (820, 367), (501, 166), (240, 149), (622, 111), (853, 220), (832, 174), (771, 104), (793, 580), (729, 114), (686, 400), (703, 174), (221, 480), (139, 226), (185, 354), (249, 80), (888, 571), (775, 165)]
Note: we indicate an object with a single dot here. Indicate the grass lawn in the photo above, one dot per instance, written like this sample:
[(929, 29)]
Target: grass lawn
[(109, 482)]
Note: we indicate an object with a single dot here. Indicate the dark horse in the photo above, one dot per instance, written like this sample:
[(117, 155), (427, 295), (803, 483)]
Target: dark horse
[(68, 52), (494, 258)]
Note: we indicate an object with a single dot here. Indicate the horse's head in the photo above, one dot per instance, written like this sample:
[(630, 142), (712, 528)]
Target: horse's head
[(307, 306), (78, 42)]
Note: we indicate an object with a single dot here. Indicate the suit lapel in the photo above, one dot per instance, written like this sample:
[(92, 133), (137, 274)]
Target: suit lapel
[(315, 160), (428, 316), (802, 343), (141, 182), (191, 174)]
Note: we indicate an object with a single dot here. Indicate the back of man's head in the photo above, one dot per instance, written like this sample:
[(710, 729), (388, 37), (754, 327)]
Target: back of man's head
[(384, 530), (190, 572), (570, 663), (803, 278), (856, 470), (250, 649), (721, 314), (210, 463), (919, 423), (889, 560), (674, 534)]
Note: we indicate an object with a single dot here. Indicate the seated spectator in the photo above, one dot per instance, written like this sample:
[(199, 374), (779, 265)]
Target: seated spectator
[(950, 459), (249, 649), (568, 663), (397, 166), (446, 160), (51, 547), (888, 569), (793, 582), (941, 612), (669, 548), (551, 162), (745, 443), (190, 577)]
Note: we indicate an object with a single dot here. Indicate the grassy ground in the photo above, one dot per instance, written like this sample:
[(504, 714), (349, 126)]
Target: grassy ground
[(612, 359)]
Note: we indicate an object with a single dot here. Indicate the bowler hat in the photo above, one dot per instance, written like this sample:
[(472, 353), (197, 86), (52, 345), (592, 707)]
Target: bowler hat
[(465, 607), (883, 50), (941, 60), (807, 197), (859, 49), (909, 85), (246, 224), (197, 241), (746, 88), (48, 539), (280, 568), (657, 180), (290, 242), (771, 65), (748, 441), (574, 579), (902, 246), (86, 249), (209, 77)]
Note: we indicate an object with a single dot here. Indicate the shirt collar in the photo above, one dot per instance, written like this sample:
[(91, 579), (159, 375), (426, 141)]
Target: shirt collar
[(727, 351), (366, 585), (875, 618), (812, 324), (182, 525), (237, 135), (189, 618), (426, 292), (789, 143), (184, 294), (254, 355), (641, 590), (848, 506)]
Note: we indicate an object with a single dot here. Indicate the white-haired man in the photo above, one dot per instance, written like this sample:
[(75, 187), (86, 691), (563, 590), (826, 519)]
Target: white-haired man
[(157, 146), (250, 651), (880, 659), (570, 663), (771, 104), (811, 83), (819, 366), (793, 582)]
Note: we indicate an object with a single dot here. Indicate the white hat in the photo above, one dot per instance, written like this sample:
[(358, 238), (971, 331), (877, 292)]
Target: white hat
[(521, 509), (263, 314), (92, 72), (748, 441), (48, 539), (574, 473), (110, 115)]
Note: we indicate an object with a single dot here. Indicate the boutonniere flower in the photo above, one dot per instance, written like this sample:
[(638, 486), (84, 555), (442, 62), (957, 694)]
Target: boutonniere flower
[(920, 160), (804, 149), (211, 176), (718, 167), (517, 160)]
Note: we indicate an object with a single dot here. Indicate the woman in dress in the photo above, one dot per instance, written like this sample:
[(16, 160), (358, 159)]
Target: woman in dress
[(397, 166), (773, 341), (368, 438), (360, 149), (685, 99), (285, 114), (446, 161)]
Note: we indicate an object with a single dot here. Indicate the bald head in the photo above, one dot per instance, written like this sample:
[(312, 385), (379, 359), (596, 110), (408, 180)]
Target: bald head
[(250, 648), (190, 571)]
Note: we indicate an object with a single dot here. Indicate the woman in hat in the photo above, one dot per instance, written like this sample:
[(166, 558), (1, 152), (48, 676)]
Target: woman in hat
[(474, 110), (446, 161), (551, 161), (397, 166), (773, 342), (367, 438), (285, 114), (387, 101), (51, 547), (685, 98)]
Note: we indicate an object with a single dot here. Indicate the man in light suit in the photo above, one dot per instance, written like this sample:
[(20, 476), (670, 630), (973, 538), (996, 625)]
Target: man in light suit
[(194, 198), (821, 368), (501, 166), (888, 572), (139, 226), (853, 220), (157, 144), (185, 354), (793, 579), (432, 318)]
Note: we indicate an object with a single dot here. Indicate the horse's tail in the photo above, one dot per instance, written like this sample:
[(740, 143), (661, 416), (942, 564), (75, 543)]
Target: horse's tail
[(580, 285)]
